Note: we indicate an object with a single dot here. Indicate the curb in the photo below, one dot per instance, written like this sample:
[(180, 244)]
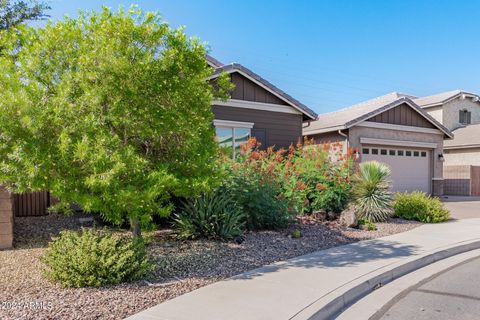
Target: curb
[(328, 308)]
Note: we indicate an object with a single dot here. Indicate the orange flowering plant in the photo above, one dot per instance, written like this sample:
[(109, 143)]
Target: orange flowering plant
[(308, 177)]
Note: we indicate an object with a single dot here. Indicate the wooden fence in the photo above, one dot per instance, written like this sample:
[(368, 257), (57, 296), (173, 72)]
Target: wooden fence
[(31, 204)]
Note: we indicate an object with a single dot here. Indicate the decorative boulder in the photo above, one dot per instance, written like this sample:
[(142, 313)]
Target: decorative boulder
[(348, 217)]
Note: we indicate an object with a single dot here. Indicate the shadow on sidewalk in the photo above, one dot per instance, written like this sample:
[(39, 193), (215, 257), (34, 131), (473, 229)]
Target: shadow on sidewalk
[(342, 256)]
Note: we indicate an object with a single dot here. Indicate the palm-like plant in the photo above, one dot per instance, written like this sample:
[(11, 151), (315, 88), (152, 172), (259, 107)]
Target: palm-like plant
[(371, 191)]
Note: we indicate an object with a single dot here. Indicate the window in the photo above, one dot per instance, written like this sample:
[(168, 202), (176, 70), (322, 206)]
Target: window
[(416, 153), (374, 151), (365, 151), (391, 152), (408, 153), (383, 152), (465, 117), (231, 134), (400, 153), (423, 154)]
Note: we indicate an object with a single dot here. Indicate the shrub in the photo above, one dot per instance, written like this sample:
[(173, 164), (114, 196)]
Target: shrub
[(335, 199), (307, 176), (420, 206), (366, 225), (211, 215), (95, 258), (371, 191), (260, 199)]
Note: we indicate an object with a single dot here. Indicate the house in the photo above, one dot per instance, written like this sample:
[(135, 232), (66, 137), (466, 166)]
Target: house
[(459, 111), (394, 130), (257, 109)]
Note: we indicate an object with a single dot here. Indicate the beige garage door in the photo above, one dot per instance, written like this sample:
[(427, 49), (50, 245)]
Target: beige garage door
[(410, 167)]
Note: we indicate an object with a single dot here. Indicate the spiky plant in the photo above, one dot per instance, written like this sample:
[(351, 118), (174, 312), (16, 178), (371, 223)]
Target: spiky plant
[(211, 215), (371, 191)]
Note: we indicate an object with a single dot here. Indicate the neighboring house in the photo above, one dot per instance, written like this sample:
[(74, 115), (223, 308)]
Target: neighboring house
[(256, 109), (459, 111), (394, 130)]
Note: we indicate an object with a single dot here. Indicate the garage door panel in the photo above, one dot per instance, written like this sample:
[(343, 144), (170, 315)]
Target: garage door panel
[(410, 167)]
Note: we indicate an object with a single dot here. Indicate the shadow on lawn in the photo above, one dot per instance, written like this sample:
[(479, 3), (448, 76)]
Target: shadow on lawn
[(341, 256)]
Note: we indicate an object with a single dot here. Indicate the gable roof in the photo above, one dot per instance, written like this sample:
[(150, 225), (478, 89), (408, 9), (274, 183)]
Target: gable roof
[(349, 117), (465, 137), (212, 62), (441, 98), (235, 67)]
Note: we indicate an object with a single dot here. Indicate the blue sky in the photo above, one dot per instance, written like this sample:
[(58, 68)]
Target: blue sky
[(331, 54)]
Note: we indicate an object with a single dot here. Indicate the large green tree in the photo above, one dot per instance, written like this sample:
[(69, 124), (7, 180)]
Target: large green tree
[(13, 13), (110, 110)]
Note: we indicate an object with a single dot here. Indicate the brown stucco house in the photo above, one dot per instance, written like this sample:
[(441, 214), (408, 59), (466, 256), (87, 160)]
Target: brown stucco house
[(394, 130), (458, 111), (257, 109)]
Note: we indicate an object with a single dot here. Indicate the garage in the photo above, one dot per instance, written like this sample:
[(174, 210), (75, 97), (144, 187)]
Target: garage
[(391, 129), (410, 167)]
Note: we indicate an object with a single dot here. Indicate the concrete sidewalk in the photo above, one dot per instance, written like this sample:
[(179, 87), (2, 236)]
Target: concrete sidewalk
[(299, 287)]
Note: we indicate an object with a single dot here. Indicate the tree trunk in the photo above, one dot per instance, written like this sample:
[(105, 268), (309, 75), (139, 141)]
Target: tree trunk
[(135, 227)]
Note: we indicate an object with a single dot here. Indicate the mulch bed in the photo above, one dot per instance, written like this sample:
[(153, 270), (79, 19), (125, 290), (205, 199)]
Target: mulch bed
[(183, 266)]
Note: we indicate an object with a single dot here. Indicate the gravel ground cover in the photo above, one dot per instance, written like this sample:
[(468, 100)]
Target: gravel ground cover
[(183, 266)]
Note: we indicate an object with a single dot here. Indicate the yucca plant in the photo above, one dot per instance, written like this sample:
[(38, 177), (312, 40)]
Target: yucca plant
[(211, 215), (371, 191)]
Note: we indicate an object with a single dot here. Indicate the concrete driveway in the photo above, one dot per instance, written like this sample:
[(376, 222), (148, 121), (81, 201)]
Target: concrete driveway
[(462, 207)]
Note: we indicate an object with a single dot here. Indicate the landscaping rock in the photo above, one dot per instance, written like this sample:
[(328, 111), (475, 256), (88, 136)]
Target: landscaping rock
[(320, 215), (183, 266), (348, 217), (332, 215), (363, 227)]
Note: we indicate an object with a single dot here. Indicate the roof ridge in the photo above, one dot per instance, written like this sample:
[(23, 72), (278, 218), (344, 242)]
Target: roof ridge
[(359, 104)]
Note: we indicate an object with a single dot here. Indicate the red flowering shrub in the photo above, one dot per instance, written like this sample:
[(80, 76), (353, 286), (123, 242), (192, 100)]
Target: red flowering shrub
[(309, 177)]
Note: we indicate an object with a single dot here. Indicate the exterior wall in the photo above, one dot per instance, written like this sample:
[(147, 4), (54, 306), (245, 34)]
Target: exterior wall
[(332, 138), (280, 129), (451, 109), (436, 113), (328, 137), (402, 115), (247, 90), (456, 157), (356, 133), (6, 219)]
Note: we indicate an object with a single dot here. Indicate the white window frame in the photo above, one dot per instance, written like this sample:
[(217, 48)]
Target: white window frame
[(228, 124)]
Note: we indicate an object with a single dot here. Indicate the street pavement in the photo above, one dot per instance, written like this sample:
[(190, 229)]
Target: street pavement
[(451, 295)]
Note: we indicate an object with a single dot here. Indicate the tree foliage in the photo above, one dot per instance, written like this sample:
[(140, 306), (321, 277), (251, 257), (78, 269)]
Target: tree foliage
[(13, 13), (110, 110)]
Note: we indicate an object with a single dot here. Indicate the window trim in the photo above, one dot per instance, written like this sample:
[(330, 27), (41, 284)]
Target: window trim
[(232, 124), (465, 117)]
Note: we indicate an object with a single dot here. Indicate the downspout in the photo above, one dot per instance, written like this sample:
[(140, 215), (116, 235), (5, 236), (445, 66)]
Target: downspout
[(346, 139), (346, 149)]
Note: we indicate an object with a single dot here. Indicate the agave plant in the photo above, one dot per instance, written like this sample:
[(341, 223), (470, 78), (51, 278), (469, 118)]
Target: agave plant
[(211, 215), (371, 191)]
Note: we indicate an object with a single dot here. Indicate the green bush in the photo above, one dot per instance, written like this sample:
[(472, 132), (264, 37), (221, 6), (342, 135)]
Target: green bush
[(95, 258), (334, 198), (211, 215), (371, 191), (260, 199), (369, 226), (420, 206)]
